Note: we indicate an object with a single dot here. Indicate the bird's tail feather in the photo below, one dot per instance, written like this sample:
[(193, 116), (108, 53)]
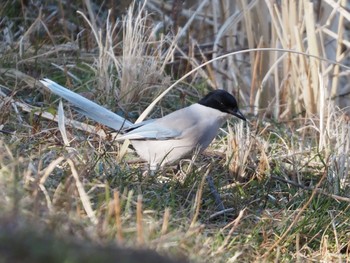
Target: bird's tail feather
[(88, 107)]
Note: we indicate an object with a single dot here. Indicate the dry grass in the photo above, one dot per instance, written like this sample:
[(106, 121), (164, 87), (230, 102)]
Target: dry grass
[(283, 177)]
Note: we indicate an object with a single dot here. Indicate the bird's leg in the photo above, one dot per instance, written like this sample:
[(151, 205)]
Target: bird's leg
[(219, 204)]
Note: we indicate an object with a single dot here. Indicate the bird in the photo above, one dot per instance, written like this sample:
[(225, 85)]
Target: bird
[(167, 139)]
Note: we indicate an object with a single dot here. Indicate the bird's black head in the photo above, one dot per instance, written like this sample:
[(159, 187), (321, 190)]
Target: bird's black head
[(222, 101)]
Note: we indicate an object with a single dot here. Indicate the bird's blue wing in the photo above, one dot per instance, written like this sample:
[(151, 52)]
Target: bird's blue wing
[(151, 130)]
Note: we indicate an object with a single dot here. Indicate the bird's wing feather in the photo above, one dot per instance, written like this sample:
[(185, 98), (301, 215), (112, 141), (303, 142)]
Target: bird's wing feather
[(137, 125), (88, 107), (150, 131), (171, 126)]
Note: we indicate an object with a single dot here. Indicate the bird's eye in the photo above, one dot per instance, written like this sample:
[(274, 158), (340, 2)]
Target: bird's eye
[(220, 102)]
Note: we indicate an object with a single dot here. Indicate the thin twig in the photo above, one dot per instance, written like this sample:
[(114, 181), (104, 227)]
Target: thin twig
[(85, 200), (165, 224), (139, 224), (234, 224), (221, 212), (118, 220), (317, 190), (198, 200)]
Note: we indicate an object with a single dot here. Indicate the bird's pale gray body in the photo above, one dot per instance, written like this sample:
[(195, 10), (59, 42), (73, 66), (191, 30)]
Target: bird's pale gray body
[(172, 137)]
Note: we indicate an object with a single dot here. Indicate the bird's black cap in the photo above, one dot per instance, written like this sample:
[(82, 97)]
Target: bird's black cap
[(222, 101)]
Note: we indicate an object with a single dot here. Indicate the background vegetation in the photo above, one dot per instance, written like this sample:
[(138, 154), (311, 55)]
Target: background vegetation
[(283, 177)]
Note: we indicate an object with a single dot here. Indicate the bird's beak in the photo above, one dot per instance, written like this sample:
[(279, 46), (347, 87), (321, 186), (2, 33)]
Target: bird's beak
[(239, 115)]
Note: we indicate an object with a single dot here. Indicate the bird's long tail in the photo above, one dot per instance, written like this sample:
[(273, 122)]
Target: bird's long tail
[(88, 107)]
